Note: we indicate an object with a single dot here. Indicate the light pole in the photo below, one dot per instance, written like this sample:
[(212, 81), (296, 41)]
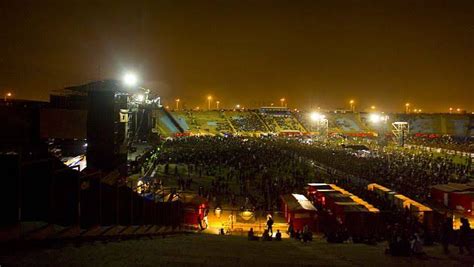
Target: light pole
[(8, 94), (352, 105), (450, 110), (217, 104), (177, 104), (282, 101), (209, 99), (407, 108)]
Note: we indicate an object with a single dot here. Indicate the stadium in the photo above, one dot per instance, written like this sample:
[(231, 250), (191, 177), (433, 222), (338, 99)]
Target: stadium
[(143, 170), (237, 133)]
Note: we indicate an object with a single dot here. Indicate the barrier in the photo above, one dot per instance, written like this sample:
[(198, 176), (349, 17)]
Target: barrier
[(47, 191)]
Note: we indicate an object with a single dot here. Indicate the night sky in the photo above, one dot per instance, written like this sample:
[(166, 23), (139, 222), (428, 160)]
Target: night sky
[(314, 53)]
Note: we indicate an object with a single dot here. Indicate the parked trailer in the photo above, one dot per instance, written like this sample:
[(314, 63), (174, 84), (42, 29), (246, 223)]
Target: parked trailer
[(443, 193), (423, 213), (299, 211)]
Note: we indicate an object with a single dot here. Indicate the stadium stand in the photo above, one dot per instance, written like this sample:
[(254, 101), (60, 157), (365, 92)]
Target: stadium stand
[(166, 124), (246, 122), (281, 121), (203, 122)]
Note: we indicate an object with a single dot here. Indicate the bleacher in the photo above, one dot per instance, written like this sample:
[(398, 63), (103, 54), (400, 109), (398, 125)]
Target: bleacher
[(203, 122), (246, 122), (281, 120), (265, 120), (346, 123)]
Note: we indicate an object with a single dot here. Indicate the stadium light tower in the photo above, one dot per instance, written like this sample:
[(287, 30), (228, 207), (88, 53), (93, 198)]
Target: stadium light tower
[(379, 125), (130, 79), (321, 122), (376, 118)]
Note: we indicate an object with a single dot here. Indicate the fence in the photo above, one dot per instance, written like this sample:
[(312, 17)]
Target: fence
[(44, 190)]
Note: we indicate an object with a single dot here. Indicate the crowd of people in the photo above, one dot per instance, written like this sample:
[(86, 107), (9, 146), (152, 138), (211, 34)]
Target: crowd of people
[(411, 171), (253, 172), (459, 144)]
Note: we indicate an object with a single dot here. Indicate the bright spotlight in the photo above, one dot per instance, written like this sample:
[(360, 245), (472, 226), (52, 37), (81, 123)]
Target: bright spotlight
[(315, 116), (375, 118), (140, 98), (130, 79)]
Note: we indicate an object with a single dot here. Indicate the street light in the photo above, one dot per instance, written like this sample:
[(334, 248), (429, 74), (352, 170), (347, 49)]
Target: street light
[(237, 106), (351, 102), (8, 94), (177, 104), (209, 99), (450, 110), (407, 108), (217, 104), (130, 79), (372, 107), (282, 101)]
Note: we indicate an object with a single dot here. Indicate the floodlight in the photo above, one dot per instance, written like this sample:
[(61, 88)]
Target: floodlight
[(140, 98), (375, 118), (315, 116), (130, 79)]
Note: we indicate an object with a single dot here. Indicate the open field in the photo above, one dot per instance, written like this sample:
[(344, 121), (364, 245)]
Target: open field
[(204, 250)]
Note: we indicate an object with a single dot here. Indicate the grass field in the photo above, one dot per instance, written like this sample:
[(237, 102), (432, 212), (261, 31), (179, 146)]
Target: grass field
[(214, 250)]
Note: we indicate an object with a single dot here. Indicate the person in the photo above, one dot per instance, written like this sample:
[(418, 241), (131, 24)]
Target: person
[(266, 236), (298, 235), (270, 225), (278, 235), (199, 222), (446, 230), (291, 230), (221, 232), (464, 236), (416, 245), (205, 218), (251, 235), (307, 235)]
